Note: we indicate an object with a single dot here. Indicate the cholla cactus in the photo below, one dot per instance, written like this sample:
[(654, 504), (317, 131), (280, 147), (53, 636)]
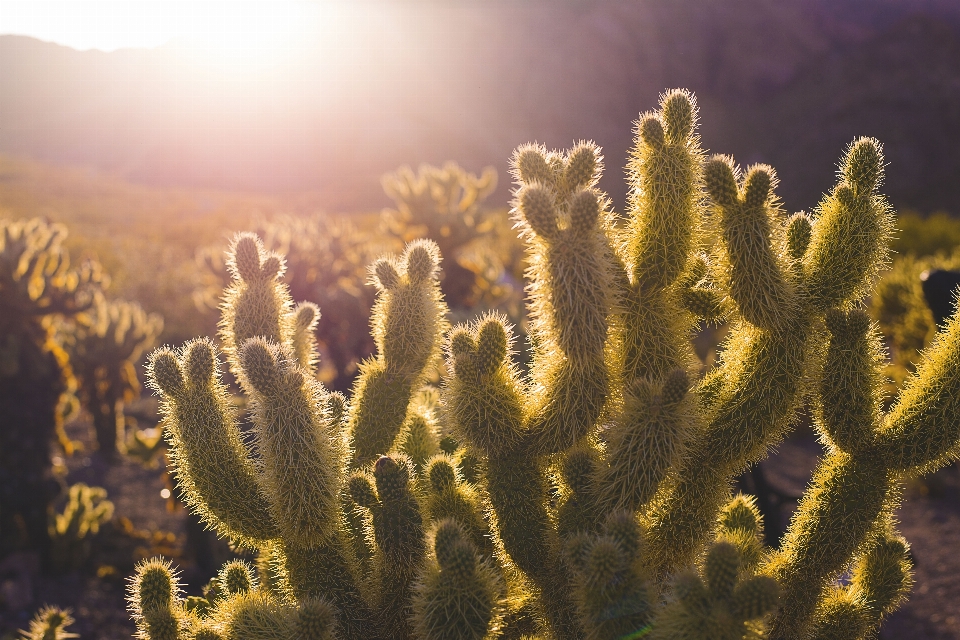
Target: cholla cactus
[(598, 503), (104, 349), (445, 204), (37, 285), (327, 260), (50, 623), (71, 531)]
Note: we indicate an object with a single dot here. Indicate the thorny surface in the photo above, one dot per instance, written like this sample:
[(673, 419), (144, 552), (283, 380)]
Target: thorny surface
[(929, 519)]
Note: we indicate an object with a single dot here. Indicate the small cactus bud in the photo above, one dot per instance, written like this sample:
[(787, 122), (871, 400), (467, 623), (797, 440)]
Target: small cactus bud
[(361, 490), (862, 166), (582, 166), (391, 477), (246, 257), (577, 548), (721, 568), (206, 633), (165, 372), (584, 210), (759, 182), (579, 467), (442, 474), (679, 115), (622, 527), (153, 587), (315, 620), (755, 597), (532, 166), (539, 210), (386, 273), (721, 180), (237, 577), (604, 561), (200, 362), (491, 346), (846, 196), (422, 260), (799, 231), (446, 540), (741, 513), (651, 131), (306, 315), (259, 361), (272, 267), (462, 342)]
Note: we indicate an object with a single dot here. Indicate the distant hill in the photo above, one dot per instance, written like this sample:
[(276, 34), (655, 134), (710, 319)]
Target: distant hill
[(789, 82)]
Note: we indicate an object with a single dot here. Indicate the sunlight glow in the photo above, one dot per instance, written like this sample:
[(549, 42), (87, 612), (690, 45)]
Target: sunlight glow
[(228, 35)]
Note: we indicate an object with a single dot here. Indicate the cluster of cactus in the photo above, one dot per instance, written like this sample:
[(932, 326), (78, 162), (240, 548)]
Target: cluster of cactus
[(105, 347), (591, 499), (446, 204), (326, 259), (72, 531), (902, 313), (50, 623), (37, 286)]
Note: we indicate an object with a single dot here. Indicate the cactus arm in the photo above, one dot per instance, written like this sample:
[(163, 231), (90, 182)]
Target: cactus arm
[(757, 282), (646, 442), (209, 458), (564, 220), (153, 595), (754, 407), (256, 304), (407, 321), (456, 593), (922, 431), (298, 441), (847, 246)]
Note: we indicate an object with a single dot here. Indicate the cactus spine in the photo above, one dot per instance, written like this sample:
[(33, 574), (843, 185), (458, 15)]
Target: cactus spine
[(591, 499)]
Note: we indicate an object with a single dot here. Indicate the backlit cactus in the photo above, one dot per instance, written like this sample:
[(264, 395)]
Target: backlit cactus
[(592, 498), (104, 349), (37, 287)]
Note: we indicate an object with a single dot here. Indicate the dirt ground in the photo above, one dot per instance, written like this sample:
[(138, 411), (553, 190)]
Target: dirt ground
[(930, 520)]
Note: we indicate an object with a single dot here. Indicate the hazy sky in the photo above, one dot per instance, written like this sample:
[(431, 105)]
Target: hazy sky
[(115, 24)]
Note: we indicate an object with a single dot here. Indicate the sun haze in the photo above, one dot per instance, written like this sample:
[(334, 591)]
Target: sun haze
[(248, 35)]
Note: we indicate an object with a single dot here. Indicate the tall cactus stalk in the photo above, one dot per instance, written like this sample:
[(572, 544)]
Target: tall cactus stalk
[(592, 498)]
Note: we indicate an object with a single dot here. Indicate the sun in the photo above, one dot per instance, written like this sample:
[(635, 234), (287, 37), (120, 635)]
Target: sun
[(242, 38), (232, 36)]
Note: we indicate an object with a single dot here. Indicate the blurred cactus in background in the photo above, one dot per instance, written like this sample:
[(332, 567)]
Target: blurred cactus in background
[(446, 205), (50, 623), (72, 531), (104, 347), (37, 286), (590, 499), (327, 262)]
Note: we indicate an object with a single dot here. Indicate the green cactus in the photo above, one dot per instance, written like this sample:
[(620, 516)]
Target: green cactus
[(445, 204), (37, 286), (50, 623), (590, 499), (104, 348), (71, 531)]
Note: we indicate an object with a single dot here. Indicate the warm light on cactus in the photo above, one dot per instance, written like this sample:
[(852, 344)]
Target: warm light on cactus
[(590, 499)]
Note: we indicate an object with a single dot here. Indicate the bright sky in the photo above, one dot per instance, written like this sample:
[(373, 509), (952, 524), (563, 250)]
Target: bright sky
[(223, 26)]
